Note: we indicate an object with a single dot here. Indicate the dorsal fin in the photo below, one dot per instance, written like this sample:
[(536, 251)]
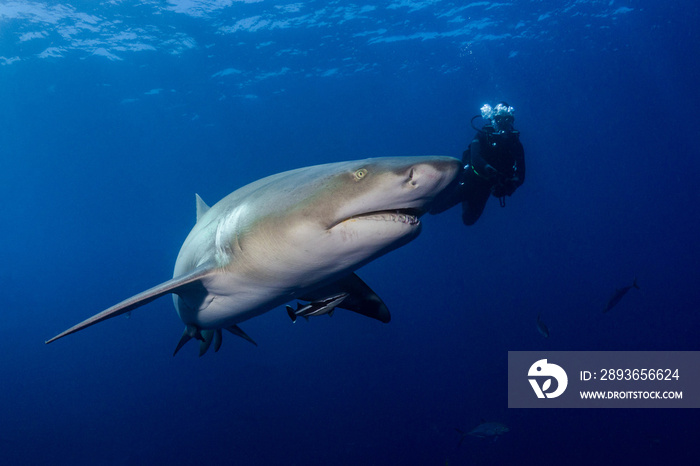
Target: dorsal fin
[(202, 206)]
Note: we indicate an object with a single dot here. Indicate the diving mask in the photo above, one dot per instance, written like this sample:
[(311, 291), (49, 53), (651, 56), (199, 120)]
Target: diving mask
[(501, 116)]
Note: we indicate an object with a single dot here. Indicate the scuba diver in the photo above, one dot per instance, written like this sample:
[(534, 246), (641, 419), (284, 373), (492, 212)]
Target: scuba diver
[(494, 164)]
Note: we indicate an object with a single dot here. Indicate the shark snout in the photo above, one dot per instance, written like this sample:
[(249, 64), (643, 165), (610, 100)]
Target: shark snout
[(433, 175)]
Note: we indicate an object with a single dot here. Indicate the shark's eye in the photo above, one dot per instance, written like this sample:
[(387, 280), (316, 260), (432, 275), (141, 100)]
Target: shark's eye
[(359, 174)]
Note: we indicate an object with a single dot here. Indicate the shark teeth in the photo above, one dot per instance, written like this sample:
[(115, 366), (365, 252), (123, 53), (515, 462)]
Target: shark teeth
[(398, 217), (405, 218)]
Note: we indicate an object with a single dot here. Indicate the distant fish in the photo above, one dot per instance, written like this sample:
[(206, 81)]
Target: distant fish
[(316, 308), (484, 430), (619, 293), (541, 327)]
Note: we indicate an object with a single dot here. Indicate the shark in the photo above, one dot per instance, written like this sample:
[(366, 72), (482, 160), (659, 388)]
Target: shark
[(300, 234)]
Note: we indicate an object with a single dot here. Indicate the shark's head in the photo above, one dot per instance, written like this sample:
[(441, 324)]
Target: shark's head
[(373, 206), (342, 215), (388, 188)]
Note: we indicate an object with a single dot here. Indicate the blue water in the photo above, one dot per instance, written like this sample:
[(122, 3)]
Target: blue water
[(113, 114)]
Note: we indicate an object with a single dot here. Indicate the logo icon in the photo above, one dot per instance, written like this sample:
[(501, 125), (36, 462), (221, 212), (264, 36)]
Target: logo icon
[(542, 369)]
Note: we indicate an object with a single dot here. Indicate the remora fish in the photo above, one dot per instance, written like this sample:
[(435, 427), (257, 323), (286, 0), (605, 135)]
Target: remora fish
[(299, 234), (541, 327), (316, 308), (619, 293)]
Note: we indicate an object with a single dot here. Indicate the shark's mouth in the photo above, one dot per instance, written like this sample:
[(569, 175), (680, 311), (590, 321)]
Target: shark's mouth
[(407, 216)]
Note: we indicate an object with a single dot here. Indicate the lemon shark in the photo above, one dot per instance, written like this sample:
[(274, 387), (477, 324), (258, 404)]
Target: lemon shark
[(300, 234)]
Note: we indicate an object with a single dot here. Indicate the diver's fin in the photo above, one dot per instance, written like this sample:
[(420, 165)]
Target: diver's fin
[(361, 298), (236, 330), (634, 283), (202, 206), (145, 297), (291, 313)]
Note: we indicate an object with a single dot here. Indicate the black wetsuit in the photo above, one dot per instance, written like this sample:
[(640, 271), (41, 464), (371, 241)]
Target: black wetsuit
[(494, 164)]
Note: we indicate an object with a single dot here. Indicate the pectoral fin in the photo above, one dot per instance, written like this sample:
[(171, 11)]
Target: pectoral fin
[(361, 298), (171, 286)]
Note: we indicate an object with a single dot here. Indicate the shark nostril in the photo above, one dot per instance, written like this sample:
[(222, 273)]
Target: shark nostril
[(411, 177)]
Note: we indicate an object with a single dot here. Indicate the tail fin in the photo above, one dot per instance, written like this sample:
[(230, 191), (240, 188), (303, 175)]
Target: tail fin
[(634, 283)]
